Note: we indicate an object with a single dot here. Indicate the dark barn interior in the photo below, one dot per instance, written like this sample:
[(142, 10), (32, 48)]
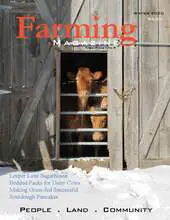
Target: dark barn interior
[(70, 62)]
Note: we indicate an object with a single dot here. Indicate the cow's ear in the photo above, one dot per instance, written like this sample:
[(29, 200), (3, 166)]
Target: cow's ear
[(97, 75), (71, 76)]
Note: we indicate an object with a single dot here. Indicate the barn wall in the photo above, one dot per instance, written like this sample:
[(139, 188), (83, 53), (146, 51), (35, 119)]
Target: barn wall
[(115, 91), (24, 72), (19, 71), (146, 70), (149, 72), (131, 92), (164, 71), (139, 83), (153, 73), (5, 100)]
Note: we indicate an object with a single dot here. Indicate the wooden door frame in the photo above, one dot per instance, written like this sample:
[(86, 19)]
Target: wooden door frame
[(58, 102), (115, 116)]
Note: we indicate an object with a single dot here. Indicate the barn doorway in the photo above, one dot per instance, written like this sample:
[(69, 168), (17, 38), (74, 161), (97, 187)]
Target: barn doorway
[(80, 128)]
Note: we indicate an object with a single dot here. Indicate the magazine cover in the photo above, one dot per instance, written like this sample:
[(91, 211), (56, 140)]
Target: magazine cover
[(84, 110)]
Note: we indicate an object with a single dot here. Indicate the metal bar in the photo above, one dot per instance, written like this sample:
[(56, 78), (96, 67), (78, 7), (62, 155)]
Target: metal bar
[(82, 143), (91, 95), (152, 44), (85, 113), (83, 129)]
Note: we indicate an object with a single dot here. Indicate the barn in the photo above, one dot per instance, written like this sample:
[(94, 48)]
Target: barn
[(38, 100)]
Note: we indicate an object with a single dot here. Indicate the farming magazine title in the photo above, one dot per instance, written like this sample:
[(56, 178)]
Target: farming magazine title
[(84, 109)]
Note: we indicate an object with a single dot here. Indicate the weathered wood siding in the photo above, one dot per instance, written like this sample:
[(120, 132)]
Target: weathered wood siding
[(164, 72), (131, 91), (19, 72), (147, 69), (115, 103)]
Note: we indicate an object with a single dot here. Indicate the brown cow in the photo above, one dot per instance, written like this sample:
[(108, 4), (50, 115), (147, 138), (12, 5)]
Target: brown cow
[(99, 121), (84, 78)]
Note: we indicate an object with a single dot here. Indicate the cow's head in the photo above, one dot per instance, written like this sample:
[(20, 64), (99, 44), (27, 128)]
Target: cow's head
[(98, 121), (84, 79)]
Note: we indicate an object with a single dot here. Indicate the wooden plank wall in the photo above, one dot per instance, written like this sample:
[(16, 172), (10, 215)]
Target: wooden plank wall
[(148, 61), (4, 81), (164, 71), (131, 92), (115, 103), (145, 70), (24, 72), (20, 71), (153, 64), (83, 18), (47, 102), (101, 11)]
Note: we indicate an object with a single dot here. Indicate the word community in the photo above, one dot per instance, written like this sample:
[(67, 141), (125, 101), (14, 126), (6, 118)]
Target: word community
[(26, 24)]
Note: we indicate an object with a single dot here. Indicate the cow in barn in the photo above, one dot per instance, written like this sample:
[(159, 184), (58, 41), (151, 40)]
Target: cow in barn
[(84, 78), (94, 121), (99, 121), (84, 81), (74, 122)]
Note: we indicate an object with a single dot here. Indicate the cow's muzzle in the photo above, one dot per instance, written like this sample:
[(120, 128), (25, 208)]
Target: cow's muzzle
[(98, 136)]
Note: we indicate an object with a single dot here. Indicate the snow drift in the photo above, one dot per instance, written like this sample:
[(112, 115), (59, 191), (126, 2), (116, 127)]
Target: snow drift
[(108, 195)]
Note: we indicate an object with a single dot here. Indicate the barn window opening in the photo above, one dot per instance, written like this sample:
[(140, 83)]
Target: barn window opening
[(83, 105)]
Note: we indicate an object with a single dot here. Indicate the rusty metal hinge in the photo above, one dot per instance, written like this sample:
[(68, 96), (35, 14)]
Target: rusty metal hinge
[(124, 94)]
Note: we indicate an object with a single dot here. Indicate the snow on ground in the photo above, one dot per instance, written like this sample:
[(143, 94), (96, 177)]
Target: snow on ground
[(147, 190)]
